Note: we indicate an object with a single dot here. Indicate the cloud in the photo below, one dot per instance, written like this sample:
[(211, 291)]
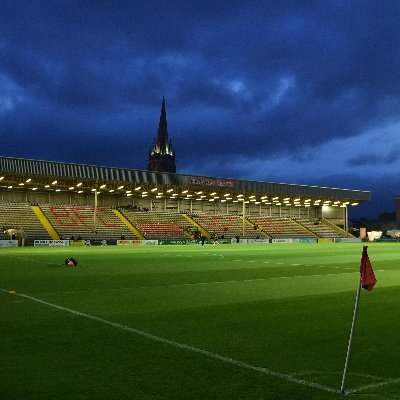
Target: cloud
[(300, 92)]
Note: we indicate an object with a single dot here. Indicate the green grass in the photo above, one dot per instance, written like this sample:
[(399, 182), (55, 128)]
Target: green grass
[(284, 308)]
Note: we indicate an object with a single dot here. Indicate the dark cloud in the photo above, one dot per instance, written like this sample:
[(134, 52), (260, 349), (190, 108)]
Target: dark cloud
[(377, 159), (83, 81)]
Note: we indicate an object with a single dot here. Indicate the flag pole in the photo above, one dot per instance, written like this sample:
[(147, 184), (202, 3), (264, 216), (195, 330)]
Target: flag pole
[(353, 324), (346, 364)]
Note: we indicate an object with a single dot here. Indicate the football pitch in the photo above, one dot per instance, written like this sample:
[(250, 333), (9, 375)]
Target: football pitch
[(189, 322)]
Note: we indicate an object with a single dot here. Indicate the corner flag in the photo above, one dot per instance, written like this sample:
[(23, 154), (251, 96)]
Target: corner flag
[(368, 279)]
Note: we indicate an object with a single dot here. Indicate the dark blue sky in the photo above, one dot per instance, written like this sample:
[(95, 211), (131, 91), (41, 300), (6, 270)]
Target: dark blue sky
[(301, 92)]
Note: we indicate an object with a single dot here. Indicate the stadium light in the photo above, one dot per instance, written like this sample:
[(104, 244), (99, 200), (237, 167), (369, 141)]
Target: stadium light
[(71, 188), (58, 190), (213, 193), (79, 184), (54, 182), (153, 190), (199, 192), (169, 190), (93, 190), (102, 186), (21, 184), (354, 204), (9, 187), (129, 191), (239, 195), (111, 191), (189, 195), (28, 180), (229, 198), (129, 194), (223, 200), (144, 192), (160, 194), (211, 200), (185, 191), (46, 186), (35, 188), (286, 199), (1, 178), (120, 187), (235, 201), (144, 195), (252, 197), (80, 191), (138, 188), (227, 194)]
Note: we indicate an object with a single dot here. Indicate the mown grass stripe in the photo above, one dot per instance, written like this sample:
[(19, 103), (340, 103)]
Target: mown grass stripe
[(267, 371)]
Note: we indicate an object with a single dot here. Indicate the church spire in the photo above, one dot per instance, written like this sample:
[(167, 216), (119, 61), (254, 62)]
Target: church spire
[(162, 136), (162, 156)]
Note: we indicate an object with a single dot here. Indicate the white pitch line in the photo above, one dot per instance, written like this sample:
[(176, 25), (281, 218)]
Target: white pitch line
[(228, 360), (381, 381), (199, 283), (35, 261), (372, 385), (288, 377)]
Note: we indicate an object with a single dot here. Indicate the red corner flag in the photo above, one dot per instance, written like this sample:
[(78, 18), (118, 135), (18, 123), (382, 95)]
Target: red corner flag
[(368, 279)]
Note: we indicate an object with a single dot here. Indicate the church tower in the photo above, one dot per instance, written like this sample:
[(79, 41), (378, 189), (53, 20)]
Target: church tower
[(162, 155)]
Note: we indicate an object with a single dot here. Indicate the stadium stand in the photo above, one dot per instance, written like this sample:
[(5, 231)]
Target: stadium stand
[(160, 225), (228, 226), (320, 228), (281, 227), (21, 216), (75, 221)]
